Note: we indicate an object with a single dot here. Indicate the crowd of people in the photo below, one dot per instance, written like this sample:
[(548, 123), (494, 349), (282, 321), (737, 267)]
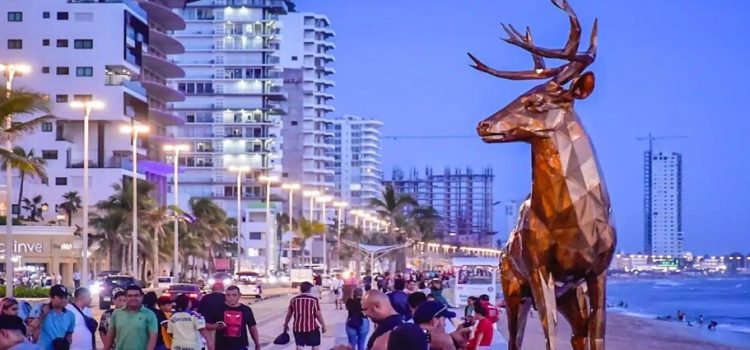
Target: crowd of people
[(138, 321)]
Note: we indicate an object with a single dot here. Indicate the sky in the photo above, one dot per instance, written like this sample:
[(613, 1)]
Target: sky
[(667, 67)]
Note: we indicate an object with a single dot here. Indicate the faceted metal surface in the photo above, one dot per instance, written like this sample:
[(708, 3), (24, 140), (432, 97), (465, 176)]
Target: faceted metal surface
[(565, 239)]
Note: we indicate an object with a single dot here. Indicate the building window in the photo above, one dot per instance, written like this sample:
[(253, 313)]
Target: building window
[(49, 154), (62, 16), (61, 98), (63, 70), (83, 43), (15, 16), (45, 14), (294, 122), (45, 42), (61, 181), (254, 235), (62, 42), (82, 98), (47, 127), (15, 44), (84, 71), (45, 70), (294, 58)]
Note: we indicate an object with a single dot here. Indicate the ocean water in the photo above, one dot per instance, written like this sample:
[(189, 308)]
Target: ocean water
[(724, 300)]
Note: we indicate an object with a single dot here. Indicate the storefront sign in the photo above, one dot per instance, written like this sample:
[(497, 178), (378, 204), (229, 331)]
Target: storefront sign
[(22, 247)]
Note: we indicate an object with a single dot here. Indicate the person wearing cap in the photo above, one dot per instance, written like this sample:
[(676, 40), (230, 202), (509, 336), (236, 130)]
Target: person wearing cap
[(409, 337), (12, 335), (431, 317), (52, 320), (209, 307), (186, 326)]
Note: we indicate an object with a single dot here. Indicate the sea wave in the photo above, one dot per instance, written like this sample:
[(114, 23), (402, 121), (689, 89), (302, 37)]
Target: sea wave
[(734, 328), (668, 283)]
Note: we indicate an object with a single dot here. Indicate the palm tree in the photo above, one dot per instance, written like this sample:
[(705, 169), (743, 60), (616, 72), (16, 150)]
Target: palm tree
[(27, 164), (308, 229), (392, 207), (423, 221), (34, 206), (156, 221), (210, 225), (282, 225), (71, 204), (20, 102)]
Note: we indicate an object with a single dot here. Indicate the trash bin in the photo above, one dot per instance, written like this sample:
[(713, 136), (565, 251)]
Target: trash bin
[(348, 291)]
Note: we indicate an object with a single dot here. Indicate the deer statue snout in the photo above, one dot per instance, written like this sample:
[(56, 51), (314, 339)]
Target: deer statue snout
[(483, 128)]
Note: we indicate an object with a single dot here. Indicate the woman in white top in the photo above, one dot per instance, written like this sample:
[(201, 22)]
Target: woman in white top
[(188, 328), (337, 288)]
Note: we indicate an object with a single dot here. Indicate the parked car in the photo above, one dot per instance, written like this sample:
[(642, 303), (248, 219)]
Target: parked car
[(191, 290), (111, 285), (165, 282), (249, 283)]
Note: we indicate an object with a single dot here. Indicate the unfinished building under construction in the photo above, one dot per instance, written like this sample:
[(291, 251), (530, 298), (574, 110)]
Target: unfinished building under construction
[(461, 197)]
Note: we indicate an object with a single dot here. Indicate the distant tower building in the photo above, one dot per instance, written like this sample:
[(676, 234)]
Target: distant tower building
[(357, 160), (463, 200), (663, 203)]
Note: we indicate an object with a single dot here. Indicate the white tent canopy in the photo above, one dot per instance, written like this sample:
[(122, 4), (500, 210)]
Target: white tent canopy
[(373, 252)]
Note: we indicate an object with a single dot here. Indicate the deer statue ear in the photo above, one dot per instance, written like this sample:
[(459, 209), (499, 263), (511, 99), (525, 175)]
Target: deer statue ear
[(583, 86)]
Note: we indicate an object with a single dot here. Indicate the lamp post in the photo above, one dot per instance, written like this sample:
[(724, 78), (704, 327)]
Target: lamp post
[(270, 236), (355, 213), (10, 71), (176, 203), (291, 188), (87, 107), (135, 130), (323, 200), (239, 170), (340, 205), (312, 194)]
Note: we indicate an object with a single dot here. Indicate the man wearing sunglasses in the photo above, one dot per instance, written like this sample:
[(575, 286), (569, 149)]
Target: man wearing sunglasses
[(431, 316)]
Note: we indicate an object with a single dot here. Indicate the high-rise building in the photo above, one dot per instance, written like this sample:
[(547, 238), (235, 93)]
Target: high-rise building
[(663, 203), (463, 200), (307, 129), (116, 52), (233, 108), (357, 160)]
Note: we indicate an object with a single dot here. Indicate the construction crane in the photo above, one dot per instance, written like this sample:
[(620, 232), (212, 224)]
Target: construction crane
[(425, 137), (651, 138)]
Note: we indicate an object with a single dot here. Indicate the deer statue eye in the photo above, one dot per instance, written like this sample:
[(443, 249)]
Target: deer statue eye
[(534, 104)]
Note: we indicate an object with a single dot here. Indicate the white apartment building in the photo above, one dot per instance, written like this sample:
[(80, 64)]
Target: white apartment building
[(233, 108), (116, 52), (306, 59), (664, 202), (358, 176)]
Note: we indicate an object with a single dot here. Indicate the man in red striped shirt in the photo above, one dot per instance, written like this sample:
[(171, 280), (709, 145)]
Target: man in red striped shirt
[(306, 311)]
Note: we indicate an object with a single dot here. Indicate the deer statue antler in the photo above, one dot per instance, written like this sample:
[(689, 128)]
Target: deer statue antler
[(563, 74)]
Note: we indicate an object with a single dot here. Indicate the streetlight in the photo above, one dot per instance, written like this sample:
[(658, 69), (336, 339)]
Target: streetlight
[(87, 107), (10, 71), (239, 170), (135, 130), (323, 200), (312, 194), (356, 213), (270, 237), (340, 205), (175, 189)]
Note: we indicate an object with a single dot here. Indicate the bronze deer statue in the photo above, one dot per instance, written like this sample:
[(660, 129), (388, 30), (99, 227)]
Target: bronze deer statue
[(565, 238)]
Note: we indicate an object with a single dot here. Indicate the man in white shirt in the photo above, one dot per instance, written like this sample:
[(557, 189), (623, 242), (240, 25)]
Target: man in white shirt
[(83, 337), (77, 279)]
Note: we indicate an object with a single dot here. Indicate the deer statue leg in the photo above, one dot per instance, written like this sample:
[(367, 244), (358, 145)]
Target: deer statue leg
[(574, 307), (598, 318), (517, 308), (543, 289)]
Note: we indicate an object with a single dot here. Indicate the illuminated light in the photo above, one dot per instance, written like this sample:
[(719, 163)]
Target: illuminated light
[(127, 129)]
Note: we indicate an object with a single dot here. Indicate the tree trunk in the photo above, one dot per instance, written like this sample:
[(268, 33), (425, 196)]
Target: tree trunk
[(155, 268), (20, 195), (358, 261), (70, 218), (400, 260)]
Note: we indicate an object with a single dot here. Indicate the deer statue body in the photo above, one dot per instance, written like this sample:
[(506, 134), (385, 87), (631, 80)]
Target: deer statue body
[(565, 238)]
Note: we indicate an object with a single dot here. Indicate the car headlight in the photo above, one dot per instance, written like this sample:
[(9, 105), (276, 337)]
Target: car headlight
[(211, 281), (95, 287), (271, 279), (227, 281)]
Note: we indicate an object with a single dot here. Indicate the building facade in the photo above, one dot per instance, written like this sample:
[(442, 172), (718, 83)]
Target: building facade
[(663, 203), (358, 176), (307, 129), (116, 52), (462, 198), (234, 106)]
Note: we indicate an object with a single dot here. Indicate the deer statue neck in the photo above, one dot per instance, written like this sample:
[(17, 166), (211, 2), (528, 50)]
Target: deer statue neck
[(564, 168)]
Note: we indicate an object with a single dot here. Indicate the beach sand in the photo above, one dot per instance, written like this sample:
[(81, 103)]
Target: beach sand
[(624, 333)]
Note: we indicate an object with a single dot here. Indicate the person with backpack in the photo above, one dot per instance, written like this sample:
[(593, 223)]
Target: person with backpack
[(85, 324), (357, 325)]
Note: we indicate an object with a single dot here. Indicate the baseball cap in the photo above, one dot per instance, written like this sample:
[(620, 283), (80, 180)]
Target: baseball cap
[(11, 323), (163, 300), (58, 290), (217, 285), (428, 310), (408, 336)]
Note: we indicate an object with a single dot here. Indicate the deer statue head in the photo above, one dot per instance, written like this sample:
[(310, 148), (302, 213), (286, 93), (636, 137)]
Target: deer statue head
[(541, 111)]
